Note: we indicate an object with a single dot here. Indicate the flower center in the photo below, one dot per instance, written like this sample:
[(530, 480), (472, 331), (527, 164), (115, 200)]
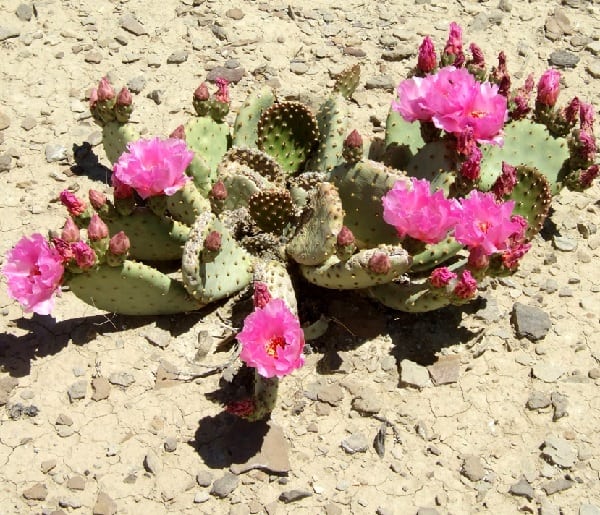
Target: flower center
[(478, 114), (273, 345), (484, 226)]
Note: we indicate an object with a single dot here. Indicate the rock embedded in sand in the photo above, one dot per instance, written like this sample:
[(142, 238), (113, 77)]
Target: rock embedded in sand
[(530, 322)]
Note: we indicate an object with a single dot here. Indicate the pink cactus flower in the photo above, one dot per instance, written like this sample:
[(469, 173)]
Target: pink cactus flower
[(272, 340), (512, 256), (466, 287), (70, 231), (75, 206), (83, 254), (441, 277), (485, 223), (119, 244), (120, 189), (262, 295), (97, 229), (105, 90), (427, 60), (506, 182), (548, 88), (64, 249), (34, 271), (154, 166), (414, 211), (412, 99)]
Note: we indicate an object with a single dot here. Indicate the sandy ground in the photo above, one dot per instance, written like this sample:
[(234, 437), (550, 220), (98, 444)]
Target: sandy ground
[(104, 414)]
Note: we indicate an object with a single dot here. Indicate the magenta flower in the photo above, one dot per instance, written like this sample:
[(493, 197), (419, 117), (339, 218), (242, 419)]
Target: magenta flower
[(416, 212), (412, 99), (506, 182), (84, 255), (154, 167), (548, 88), (466, 286), (34, 271), (120, 190), (272, 340), (75, 206), (485, 223), (427, 60), (441, 277)]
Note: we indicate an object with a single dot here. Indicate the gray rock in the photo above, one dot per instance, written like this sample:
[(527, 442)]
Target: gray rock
[(557, 25), (563, 59), (24, 12), (177, 57), (123, 379), (368, 403), (101, 388), (354, 51), (47, 465), (130, 57), (547, 372), (594, 69), (547, 508), (384, 82), (330, 393), (130, 24), (530, 322), (427, 511), (219, 32), (356, 442), (522, 489), (231, 75), (398, 55), (294, 495), (4, 121), (564, 244), (557, 485), (490, 312), (5, 162), (55, 152), (560, 404), (76, 483), (594, 47), (170, 444), (156, 95), (413, 374), (538, 400), (93, 57), (152, 463), (64, 420), (37, 492), (77, 390), (472, 468), (204, 478), (8, 32), (505, 5), (298, 67), (589, 509), (234, 14), (445, 370), (226, 484), (201, 497), (559, 451), (70, 502), (137, 84), (104, 505)]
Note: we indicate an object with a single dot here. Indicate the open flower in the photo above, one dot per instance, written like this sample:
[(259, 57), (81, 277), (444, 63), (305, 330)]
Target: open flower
[(272, 340), (34, 271), (153, 167), (418, 213), (485, 222)]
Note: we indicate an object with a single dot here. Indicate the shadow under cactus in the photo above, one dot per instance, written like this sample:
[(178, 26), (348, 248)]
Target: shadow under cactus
[(88, 164)]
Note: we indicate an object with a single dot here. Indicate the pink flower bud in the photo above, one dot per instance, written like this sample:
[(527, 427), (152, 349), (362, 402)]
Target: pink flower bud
[(262, 296), (466, 287), (427, 60), (97, 199), (477, 59), (105, 90), (222, 94), (379, 263), (588, 146), (97, 229), (345, 237), (93, 98), (441, 277), (201, 92), (589, 175), (124, 97), (119, 244), (74, 205), (178, 133), (212, 242), (454, 46), (83, 254), (501, 76), (548, 88), (219, 191), (70, 231), (354, 140), (571, 112)]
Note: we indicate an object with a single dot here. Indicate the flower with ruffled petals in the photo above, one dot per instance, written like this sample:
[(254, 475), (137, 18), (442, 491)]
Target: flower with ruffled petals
[(154, 166), (548, 88), (272, 340), (412, 96), (84, 255), (34, 271), (75, 206), (416, 212), (466, 286), (485, 223), (441, 277)]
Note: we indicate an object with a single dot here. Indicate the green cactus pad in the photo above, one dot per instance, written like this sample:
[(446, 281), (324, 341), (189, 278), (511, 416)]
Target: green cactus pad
[(275, 275), (528, 144), (265, 397), (301, 185), (431, 160), (333, 124), (228, 271), (207, 138), (132, 289), (272, 210), (354, 273), (435, 253), (315, 241), (417, 297), (187, 203), (259, 161), (245, 128), (347, 81), (288, 131), (532, 198), (361, 187), (241, 183), (203, 177), (402, 140), (152, 238), (115, 137)]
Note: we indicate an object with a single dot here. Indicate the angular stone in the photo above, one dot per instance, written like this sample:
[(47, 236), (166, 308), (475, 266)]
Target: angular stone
[(413, 374), (234, 14), (559, 452), (37, 492), (564, 244), (522, 489), (157, 336), (231, 75), (445, 370), (589, 509), (367, 403), (77, 390), (204, 478), (152, 463), (177, 57), (170, 444), (76, 483), (4, 121), (8, 32), (472, 468), (55, 152), (560, 404), (104, 505), (7, 385), (384, 82), (356, 442), (548, 372), (330, 393), (123, 379), (101, 388), (557, 485), (530, 322), (226, 484), (273, 455), (64, 420), (47, 466), (294, 495), (564, 59), (24, 12), (130, 24), (93, 57), (538, 400)]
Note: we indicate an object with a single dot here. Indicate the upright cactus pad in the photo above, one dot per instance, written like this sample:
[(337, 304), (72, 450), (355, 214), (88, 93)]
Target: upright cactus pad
[(347, 81), (272, 210), (275, 275), (245, 128), (187, 203), (115, 137), (402, 140), (257, 160), (435, 254), (332, 118), (207, 138), (288, 131), (132, 289)]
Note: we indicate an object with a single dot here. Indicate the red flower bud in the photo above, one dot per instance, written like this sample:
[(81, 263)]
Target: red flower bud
[(97, 199), (70, 231), (345, 237), (124, 97), (119, 244), (84, 256), (178, 133), (379, 263), (212, 241), (548, 88), (105, 90), (219, 191), (427, 59), (97, 229), (201, 92), (262, 296)]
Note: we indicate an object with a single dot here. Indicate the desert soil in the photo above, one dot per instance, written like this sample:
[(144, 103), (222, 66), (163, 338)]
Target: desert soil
[(107, 414)]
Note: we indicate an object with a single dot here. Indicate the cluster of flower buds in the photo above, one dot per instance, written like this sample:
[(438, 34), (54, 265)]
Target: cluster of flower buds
[(216, 107), (107, 106)]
